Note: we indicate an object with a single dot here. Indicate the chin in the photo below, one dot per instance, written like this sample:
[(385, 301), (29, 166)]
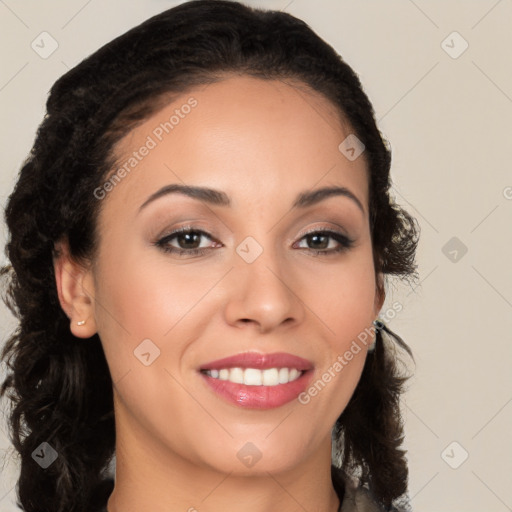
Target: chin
[(250, 458)]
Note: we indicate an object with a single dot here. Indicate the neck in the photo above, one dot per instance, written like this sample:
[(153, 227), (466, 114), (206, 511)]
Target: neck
[(150, 476), (255, 494)]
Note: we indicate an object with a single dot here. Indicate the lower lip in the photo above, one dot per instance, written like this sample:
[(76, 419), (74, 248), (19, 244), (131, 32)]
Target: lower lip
[(259, 397)]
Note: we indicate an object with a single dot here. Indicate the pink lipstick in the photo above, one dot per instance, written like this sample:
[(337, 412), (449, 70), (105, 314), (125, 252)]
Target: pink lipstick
[(258, 381)]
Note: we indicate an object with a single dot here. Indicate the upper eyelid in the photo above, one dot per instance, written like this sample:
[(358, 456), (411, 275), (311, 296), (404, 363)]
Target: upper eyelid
[(338, 231)]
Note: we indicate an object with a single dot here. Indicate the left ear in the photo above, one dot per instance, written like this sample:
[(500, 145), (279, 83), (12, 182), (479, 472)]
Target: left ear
[(380, 294)]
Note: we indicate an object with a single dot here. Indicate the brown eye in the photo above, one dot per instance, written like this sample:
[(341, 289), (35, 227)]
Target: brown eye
[(186, 242), (318, 242)]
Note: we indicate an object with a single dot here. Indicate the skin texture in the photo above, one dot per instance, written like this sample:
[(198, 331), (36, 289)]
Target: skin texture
[(262, 143)]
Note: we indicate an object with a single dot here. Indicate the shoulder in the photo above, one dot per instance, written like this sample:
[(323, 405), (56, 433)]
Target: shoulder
[(357, 498)]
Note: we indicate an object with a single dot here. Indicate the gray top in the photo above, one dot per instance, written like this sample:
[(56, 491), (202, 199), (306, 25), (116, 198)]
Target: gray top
[(358, 499)]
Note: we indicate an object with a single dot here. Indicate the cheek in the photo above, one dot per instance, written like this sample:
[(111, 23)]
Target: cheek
[(147, 296), (343, 296), (140, 298), (347, 317)]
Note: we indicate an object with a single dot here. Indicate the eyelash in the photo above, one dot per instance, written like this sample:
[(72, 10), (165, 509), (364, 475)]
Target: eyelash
[(345, 242)]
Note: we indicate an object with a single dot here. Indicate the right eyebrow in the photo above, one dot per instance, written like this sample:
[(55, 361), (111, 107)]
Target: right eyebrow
[(209, 195)]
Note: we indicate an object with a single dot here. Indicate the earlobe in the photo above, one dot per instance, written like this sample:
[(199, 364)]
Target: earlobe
[(75, 291)]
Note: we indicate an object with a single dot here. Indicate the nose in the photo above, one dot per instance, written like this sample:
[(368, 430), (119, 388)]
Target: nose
[(261, 295)]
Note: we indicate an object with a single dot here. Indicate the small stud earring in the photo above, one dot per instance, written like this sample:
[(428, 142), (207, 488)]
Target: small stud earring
[(379, 325), (81, 322)]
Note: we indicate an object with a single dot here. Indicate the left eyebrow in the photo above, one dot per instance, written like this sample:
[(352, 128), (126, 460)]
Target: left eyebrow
[(309, 198)]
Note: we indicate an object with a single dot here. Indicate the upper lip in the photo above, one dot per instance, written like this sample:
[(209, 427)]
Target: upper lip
[(259, 361)]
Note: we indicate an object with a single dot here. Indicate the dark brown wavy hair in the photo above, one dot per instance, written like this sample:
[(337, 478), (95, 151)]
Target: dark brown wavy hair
[(60, 390)]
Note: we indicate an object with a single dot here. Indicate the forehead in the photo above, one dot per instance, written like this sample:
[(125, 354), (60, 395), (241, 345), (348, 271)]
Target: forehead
[(248, 136)]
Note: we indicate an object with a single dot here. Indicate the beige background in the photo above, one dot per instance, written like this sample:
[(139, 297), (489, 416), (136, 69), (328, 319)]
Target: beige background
[(449, 123)]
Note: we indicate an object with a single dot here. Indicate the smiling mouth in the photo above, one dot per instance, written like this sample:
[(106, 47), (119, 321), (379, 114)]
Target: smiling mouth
[(253, 388), (255, 376)]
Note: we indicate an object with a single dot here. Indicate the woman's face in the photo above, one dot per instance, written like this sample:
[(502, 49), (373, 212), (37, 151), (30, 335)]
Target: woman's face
[(247, 279)]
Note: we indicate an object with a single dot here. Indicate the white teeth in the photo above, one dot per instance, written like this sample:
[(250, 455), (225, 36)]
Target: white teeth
[(255, 377), (236, 375), (270, 377), (294, 373)]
